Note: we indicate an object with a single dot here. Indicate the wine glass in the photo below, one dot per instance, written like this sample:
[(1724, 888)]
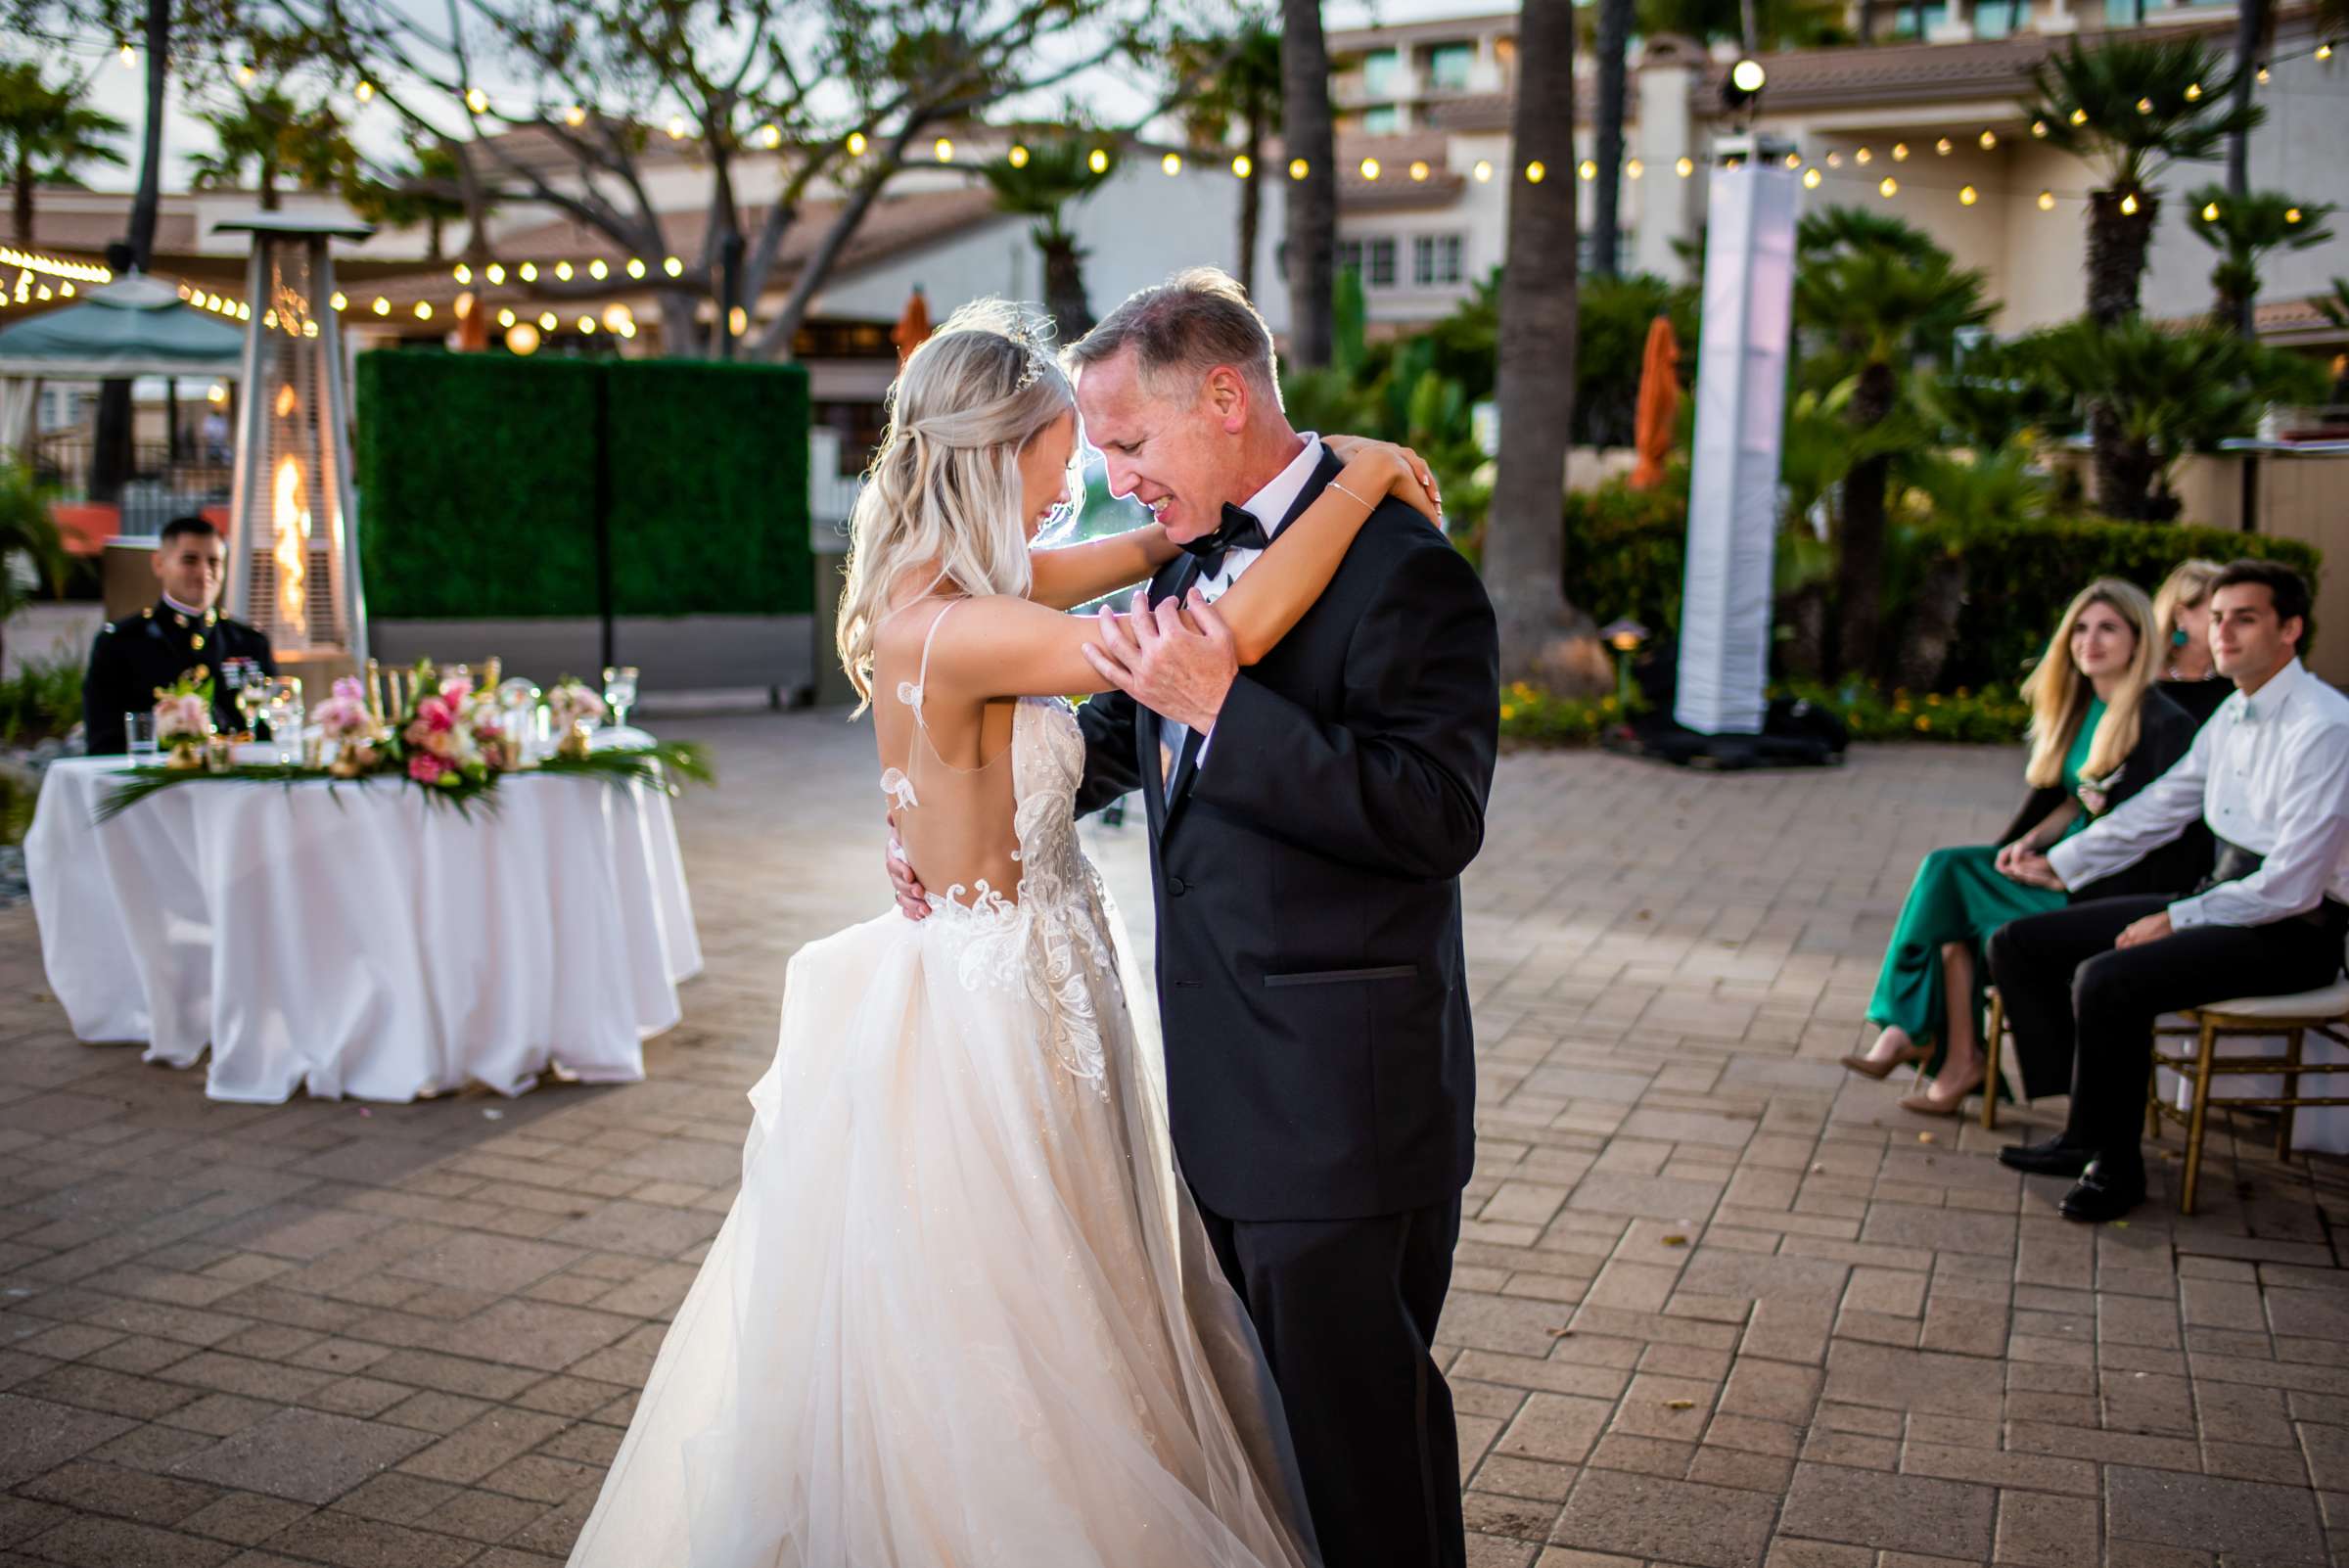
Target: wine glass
[(245, 688), (619, 691), (282, 703)]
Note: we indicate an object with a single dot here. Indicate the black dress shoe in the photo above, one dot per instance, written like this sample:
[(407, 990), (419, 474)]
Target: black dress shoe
[(2052, 1158), (2106, 1191)]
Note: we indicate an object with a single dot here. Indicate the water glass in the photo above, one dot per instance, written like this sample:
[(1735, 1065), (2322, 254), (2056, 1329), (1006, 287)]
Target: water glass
[(619, 691), (139, 731), (287, 716)]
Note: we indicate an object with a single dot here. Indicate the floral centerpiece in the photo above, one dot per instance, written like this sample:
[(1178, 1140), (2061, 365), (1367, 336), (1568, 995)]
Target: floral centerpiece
[(183, 719), (454, 741)]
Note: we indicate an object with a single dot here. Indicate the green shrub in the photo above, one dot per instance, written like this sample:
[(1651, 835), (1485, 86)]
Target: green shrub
[(1996, 714), (1626, 556), (709, 488), (480, 475), (41, 697), (1537, 716)]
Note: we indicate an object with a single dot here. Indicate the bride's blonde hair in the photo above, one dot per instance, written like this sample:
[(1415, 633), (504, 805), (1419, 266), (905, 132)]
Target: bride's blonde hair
[(944, 486)]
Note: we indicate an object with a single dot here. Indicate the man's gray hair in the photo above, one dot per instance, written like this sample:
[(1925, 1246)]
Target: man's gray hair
[(1186, 327)]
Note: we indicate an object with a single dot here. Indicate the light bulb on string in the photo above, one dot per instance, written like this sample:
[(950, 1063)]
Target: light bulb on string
[(1834, 161), (563, 271), (505, 318), (2079, 117), (676, 128), (2046, 201), (636, 266), (2291, 214), (770, 136), (2210, 211), (943, 149), (856, 144), (598, 269), (1243, 165), (1172, 164), (1900, 152), (2194, 95), (364, 92), (424, 310), (1794, 160), (576, 115), (130, 58), (1587, 168), (672, 266), (2263, 75), (340, 302), (1944, 146), (1967, 196), (1419, 170), (1684, 166), (476, 100), (495, 272), (1535, 172), (2325, 50), (2144, 106), (1988, 140), (546, 321), (382, 306), (1863, 158), (1299, 169), (587, 326), (2129, 205), (1369, 168), (462, 273), (1482, 171), (1097, 161), (1017, 157), (1634, 167), (1811, 178), (1888, 187)]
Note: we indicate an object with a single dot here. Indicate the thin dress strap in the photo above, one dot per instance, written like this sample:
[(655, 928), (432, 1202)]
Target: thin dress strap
[(910, 692)]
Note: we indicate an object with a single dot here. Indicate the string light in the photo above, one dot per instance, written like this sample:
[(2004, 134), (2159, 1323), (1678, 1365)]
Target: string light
[(2325, 50), (1967, 196), (1016, 156), (505, 318), (424, 310), (563, 272), (382, 306), (672, 266), (1944, 146), (944, 149), (2210, 211), (1097, 161), (1634, 168), (476, 99), (636, 266), (1419, 170), (2079, 117), (1482, 171), (1172, 164), (55, 266), (1834, 161), (2291, 214), (676, 128), (364, 92), (522, 338), (576, 115), (497, 274), (616, 316), (738, 321), (1587, 169), (1888, 187), (546, 322), (2129, 205), (2263, 75), (1794, 160), (1863, 158), (1989, 139), (246, 76), (2194, 95), (2144, 106), (770, 136), (1243, 165), (587, 325), (1900, 152), (1369, 168), (1684, 166), (1536, 172), (1810, 179), (2038, 128), (1299, 169), (462, 273), (130, 58), (598, 270), (2046, 201), (856, 144), (341, 302)]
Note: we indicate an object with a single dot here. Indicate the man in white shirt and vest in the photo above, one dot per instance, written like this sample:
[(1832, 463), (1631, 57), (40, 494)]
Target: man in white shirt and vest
[(2270, 773)]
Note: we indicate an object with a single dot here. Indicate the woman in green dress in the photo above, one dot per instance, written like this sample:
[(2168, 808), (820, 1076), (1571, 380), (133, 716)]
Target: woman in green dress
[(2098, 733)]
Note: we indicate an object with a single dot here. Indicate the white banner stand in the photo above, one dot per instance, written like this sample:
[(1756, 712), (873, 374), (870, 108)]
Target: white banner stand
[(1741, 361)]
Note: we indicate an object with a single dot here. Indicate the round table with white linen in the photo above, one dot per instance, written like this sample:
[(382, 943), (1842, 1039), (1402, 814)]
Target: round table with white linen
[(358, 938)]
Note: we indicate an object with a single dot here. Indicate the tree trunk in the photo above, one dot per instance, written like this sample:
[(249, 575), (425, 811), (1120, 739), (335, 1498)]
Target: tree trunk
[(433, 225), (20, 194), (1252, 202), (1859, 558), (2251, 22), (1932, 625), (109, 448), (1803, 652), (1064, 286), (2125, 472), (1868, 21), (1614, 38), (269, 197), (1542, 637), (680, 333), (2116, 253), (1312, 211)]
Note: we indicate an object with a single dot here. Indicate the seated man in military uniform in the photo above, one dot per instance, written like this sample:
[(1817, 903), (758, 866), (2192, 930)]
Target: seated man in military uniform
[(180, 633)]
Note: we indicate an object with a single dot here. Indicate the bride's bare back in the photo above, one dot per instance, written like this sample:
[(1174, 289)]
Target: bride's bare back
[(946, 765)]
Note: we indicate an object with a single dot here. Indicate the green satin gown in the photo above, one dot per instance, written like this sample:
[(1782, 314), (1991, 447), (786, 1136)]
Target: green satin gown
[(1959, 895)]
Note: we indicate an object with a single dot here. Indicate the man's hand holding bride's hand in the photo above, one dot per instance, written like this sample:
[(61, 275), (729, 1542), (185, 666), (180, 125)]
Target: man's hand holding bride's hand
[(913, 899), (1409, 477), (1159, 660)]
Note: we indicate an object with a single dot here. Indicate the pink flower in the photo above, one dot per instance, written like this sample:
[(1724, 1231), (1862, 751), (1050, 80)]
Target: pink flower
[(455, 689), (424, 768), (436, 714), (348, 689)]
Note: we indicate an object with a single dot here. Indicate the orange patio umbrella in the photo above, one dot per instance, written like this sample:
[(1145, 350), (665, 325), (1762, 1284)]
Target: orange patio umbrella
[(913, 327), (1659, 404)]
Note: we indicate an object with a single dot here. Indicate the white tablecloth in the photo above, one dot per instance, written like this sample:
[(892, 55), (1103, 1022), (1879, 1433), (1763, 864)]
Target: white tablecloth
[(361, 940)]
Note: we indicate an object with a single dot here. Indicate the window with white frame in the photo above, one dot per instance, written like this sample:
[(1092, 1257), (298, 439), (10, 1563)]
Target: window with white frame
[(1435, 259)]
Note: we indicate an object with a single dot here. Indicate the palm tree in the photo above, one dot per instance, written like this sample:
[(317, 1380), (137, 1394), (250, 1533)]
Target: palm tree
[(2245, 230), (1041, 186), (1614, 40), (47, 133), (268, 137), (2129, 109), (1310, 139), (28, 529), (1243, 92), (2169, 394), (1542, 636), (1877, 295)]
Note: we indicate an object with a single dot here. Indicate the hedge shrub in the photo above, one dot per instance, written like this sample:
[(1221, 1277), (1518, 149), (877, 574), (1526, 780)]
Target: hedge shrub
[(479, 480), (709, 488), (477, 484), (1626, 556)]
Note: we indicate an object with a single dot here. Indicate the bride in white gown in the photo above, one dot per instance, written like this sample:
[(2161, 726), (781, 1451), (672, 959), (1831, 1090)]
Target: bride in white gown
[(962, 1311)]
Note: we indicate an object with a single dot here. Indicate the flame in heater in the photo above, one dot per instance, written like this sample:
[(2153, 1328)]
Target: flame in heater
[(290, 521)]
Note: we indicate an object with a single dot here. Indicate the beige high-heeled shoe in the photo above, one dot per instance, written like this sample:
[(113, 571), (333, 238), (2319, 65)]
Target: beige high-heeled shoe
[(1933, 1103), (1906, 1057)]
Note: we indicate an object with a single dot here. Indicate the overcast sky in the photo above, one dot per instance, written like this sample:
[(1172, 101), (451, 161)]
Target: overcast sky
[(122, 92)]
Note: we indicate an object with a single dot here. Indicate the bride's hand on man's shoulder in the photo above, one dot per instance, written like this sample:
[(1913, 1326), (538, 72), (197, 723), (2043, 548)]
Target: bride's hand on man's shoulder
[(1408, 478)]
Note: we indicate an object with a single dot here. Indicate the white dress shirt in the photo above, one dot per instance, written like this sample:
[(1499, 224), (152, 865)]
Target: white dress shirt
[(1269, 507), (2270, 772)]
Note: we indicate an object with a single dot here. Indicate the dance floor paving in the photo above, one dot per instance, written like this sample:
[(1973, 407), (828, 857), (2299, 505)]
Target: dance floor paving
[(1718, 1304)]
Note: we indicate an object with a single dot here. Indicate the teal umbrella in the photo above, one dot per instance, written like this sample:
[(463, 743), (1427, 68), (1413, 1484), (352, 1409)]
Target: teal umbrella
[(134, 326)]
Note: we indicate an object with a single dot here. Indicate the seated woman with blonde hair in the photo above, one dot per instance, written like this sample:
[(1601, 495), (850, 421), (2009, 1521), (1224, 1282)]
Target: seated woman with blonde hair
[(2190, 677), (2099, 732)]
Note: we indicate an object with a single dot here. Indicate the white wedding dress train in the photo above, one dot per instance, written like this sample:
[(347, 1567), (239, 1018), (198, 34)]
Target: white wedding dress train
[(962, 1312)]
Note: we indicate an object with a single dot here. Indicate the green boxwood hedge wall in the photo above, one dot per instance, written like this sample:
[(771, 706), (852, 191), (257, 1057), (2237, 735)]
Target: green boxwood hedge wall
[(477, 484), (1626, 553), (709, 487), (478, 479)]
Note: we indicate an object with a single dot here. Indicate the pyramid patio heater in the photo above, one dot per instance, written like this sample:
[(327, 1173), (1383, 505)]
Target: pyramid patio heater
[(294, 547)]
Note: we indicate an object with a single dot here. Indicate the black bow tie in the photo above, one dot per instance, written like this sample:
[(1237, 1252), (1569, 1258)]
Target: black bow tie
[(1239, 530)]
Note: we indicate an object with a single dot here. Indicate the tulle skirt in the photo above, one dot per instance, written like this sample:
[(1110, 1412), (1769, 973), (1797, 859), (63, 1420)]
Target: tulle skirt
[(962, 1311)]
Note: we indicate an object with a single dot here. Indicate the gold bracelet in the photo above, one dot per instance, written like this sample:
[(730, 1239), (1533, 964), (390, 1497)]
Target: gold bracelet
[(1350, 495)]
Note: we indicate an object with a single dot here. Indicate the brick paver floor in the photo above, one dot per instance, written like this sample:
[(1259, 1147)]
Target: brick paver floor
[(1717, 1304)]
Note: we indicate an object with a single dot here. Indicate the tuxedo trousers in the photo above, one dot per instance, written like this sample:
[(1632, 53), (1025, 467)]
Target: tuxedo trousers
[(2070, 994), (1346, 1311)]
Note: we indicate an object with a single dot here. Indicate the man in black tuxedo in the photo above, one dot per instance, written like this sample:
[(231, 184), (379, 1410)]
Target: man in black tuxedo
[(1311, 818), (183, 632)]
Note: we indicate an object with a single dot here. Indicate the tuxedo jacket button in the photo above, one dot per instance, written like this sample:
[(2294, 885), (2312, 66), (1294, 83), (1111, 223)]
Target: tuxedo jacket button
[(1176, 887)]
